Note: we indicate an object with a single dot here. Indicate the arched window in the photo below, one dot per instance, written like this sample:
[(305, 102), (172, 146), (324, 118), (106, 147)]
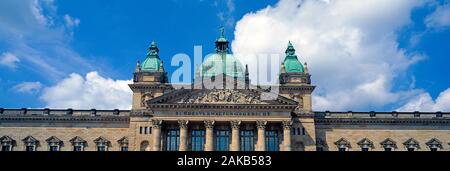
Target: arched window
[(54, 144), (78, 143), (144, 146), (30, 143), (7, 143)]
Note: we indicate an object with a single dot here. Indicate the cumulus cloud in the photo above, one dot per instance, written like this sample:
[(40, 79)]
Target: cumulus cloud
[(424, 102), (9, 60), (440, 18), (28, 87), (91, 91), (350, 46)]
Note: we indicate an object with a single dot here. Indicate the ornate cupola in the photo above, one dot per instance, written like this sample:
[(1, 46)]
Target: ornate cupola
[(221, 65), (295, 81), (150, 80), (222, 43)]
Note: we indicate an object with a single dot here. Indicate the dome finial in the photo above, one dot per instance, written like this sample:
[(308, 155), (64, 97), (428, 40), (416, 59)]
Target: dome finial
[(222, 31), (153, 49)]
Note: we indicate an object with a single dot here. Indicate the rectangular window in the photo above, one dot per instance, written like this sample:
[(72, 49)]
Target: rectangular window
[(411, 149), (303, 131), (172, 140), (342, 149), (197, 140), (319, 148), (124, 148), (101, 148), (247, 140), (6, 148), (222, 140), (140, 130), (293, 131), (272, 141), (150, 130), (77, 148), (364, 149), (145, 130), (387, 149), (433, 149), (29, 148), (54, 148), (298, 131)]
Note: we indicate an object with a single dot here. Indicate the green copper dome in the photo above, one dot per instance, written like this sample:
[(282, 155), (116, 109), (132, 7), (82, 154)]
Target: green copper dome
[(217, 64), (221, 62), (152, 63), (291, 63)]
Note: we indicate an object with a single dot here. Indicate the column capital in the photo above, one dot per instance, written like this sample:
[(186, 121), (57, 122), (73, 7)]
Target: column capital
[(209, 124), (261, 124), (287, 124), (156, 123), (235, 124), (183, 123)]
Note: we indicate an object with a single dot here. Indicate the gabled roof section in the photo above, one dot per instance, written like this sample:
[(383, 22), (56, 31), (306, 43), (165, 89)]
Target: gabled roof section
[(222, 96)]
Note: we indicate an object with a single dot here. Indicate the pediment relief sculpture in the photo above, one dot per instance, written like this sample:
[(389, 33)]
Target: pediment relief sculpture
[(226, 96)]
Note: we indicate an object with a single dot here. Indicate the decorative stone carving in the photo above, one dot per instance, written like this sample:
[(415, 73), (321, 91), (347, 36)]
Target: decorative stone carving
[(209, 124), (411, 143), (30, 140), (434, 143), (54, 141), (342, 143), (7, 141), (365, 143), (145, 97), (78, 141), (101, 141), (226, 96), (183, 123), (235, 124), (123, 141), (286, 124), (261, 124), (156, 123), (389, 143)]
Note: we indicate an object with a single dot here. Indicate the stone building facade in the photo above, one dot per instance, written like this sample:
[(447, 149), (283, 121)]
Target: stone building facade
[(221, 111)]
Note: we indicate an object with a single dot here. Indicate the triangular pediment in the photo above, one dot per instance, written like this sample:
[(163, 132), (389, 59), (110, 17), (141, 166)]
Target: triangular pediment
[(222, 96)]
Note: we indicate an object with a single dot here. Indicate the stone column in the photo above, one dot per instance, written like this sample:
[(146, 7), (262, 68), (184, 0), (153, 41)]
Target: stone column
[(287, 125), (234, 146), (209, 137), (156, 126), (183, 134), (261, 144)]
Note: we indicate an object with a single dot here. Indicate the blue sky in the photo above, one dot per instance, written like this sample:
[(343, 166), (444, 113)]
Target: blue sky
[(46, 46)]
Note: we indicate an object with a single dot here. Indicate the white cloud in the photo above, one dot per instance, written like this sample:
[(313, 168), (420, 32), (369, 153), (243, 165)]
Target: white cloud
[(350, 45), (424, 102), (92, 91), (10, 60), (33, 30), (28, 87), (440, 18), (70, 21)]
